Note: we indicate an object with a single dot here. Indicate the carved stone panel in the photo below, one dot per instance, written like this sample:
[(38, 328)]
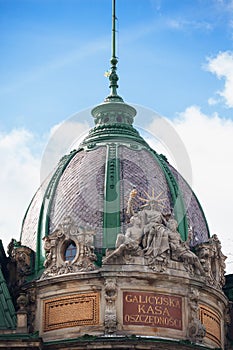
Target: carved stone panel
[(70, 311)]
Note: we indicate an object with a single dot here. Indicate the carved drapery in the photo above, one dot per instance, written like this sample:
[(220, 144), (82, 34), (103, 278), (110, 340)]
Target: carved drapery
[(152, 239)]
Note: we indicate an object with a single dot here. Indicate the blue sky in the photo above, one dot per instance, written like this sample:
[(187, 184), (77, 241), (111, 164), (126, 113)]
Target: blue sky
[(175, 57), (54, 54)]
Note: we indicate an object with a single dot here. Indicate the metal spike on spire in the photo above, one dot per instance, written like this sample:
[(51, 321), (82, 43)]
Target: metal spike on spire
[(113, 77)]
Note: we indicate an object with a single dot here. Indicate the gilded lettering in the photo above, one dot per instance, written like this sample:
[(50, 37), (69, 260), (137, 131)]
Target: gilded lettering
[(150, 319), (166, 312), (161, 320), (150, 310), (158, 310), (142, 299), (174, 303), (158, 300), (141, 309), (151, 300), (128, 298)]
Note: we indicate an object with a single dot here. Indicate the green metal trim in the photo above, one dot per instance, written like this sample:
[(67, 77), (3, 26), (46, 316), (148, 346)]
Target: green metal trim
[(21, 337), (43, 222), (109, 132), (135, 339), (177, 198), (24, 218), (111, 216), (200, 207), (6, 305)]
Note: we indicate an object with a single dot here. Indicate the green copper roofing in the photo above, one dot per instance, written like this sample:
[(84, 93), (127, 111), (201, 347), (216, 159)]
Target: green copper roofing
[(44, 217), (177, 198), (112, 223), (7, 310)]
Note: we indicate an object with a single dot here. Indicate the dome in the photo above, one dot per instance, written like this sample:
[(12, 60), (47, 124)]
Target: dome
[(92, 186), (115, 250)]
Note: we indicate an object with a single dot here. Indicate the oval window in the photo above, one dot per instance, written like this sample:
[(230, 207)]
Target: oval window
[(70, 251)]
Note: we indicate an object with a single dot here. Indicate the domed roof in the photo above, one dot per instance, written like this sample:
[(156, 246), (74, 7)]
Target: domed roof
[(92, 185)]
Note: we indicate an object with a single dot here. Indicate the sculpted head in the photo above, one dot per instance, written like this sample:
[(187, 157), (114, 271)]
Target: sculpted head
[(172, 224), (153, 204), (135, 220)]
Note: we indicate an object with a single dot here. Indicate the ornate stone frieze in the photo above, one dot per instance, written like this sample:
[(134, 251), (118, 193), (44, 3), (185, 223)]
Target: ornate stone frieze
[(68, 249), (110, 318)]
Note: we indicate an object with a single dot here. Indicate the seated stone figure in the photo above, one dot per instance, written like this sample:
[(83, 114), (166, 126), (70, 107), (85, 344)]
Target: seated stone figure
[(130, 242), (155, 237), (180, 250)]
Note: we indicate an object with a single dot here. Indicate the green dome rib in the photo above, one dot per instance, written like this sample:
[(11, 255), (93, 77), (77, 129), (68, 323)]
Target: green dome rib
[(177, 198), (43, 223)]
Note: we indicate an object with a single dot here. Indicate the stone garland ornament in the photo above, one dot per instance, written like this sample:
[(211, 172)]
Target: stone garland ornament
[(56, 245), (110, 318), (196, 330)]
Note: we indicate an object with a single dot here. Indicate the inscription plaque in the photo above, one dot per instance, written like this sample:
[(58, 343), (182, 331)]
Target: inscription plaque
[(70, 311), (212, 323), (152, 309)]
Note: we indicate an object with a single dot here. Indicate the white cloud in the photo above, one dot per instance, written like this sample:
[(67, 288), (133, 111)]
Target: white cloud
[(213, 101), (21, 168), (63, 138), (19, 177), (222, 67), (209, 143)]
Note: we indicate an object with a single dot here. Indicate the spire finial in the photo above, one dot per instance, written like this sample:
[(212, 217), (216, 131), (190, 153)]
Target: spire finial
[(113, 77)]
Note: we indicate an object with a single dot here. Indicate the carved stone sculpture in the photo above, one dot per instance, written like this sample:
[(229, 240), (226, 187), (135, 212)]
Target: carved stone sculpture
[(22, 301), (68, 249), (129, 244), (153, 240), (110, 318), (180, 250), (213, 261), (23, 259), (196, 330)]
